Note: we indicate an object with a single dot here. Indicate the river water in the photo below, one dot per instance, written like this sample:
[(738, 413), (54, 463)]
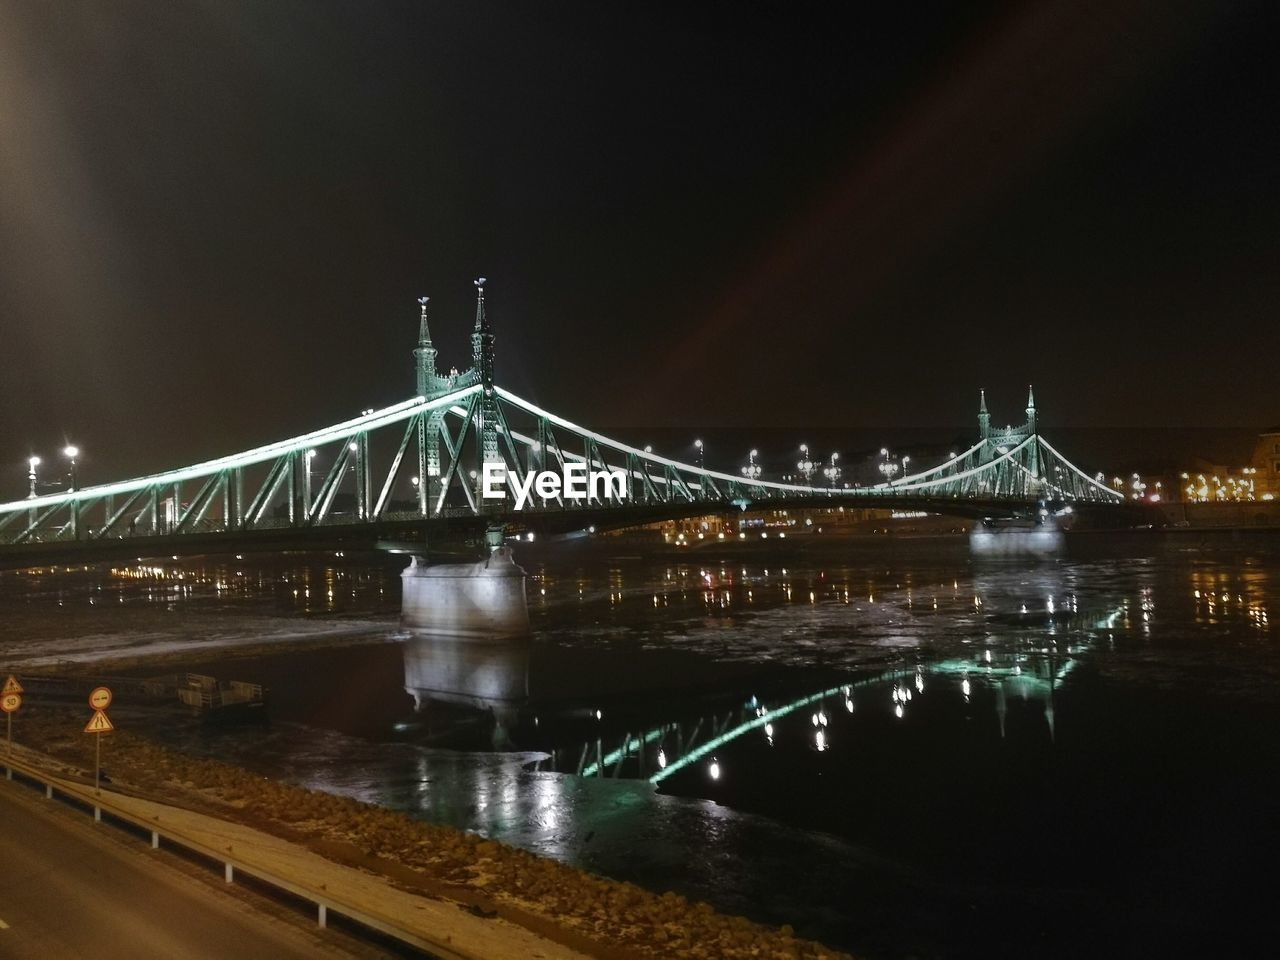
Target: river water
[(900, 751)]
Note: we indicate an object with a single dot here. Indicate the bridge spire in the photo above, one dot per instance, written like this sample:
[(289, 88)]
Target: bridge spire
[(425, 354), (984, 418), (1033, 454), (482, 340), (486, 416)]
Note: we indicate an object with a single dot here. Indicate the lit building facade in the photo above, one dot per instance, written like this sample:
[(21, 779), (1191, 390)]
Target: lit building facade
[(1204, 482), (1266, 464)]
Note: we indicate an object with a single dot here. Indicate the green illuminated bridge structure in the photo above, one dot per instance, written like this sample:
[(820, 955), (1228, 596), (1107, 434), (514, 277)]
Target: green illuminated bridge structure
[(415, 470), (663, 750)]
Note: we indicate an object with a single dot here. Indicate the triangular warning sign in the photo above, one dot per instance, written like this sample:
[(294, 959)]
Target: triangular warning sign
[(98, 723), (11, 685)]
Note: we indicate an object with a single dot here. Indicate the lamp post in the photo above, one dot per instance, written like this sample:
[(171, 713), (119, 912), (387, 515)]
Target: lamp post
[(831, 471), (32, 463), (806, 466), (752, 470), (71, 453), (886, 465), (698, 446)]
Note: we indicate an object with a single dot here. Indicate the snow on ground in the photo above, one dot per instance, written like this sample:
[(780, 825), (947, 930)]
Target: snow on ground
[(187, 639)]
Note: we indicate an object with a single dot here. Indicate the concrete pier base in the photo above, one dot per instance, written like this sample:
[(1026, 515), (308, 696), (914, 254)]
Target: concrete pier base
[(1010, 541), (481, 601)]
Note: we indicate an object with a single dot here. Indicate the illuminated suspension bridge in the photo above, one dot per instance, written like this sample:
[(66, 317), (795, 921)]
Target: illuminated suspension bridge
[(416, 469)]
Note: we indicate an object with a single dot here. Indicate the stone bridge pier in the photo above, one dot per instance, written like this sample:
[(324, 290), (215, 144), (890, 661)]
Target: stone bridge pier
[(466, 601), (1041, 540)]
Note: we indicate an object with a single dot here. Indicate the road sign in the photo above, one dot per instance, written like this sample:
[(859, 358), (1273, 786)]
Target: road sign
[(11, 685), (98, 723), (10, 700), (100, 698)]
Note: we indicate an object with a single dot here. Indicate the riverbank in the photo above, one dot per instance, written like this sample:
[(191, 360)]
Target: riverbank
[(604, 918)]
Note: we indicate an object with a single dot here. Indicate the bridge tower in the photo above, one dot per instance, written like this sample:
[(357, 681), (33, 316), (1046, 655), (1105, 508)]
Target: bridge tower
[(430, 383), (996, 441), (1033, 459), (425, 354), (486, 419), (985, 454), (465, 601)]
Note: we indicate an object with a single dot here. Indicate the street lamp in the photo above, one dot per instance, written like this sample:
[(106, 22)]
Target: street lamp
[(805, 466), (886, 465), (32, 463), (698, 444), (752, 470), (831, 471), (71, 452)]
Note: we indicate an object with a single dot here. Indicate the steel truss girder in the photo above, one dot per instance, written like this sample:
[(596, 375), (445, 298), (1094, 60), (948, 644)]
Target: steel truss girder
[(1029, 470)]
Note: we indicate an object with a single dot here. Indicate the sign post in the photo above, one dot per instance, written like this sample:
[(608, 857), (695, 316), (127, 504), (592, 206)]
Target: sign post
[(10, 701), (99, 699)]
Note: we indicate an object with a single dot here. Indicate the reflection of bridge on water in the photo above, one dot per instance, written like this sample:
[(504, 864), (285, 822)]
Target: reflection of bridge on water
[(664, 750), (490, 682)]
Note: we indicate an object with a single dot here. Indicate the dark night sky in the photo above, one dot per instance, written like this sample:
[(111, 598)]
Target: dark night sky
[(215, 216)]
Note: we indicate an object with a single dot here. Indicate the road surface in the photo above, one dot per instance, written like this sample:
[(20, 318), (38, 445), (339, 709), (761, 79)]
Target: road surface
[(70, 888)]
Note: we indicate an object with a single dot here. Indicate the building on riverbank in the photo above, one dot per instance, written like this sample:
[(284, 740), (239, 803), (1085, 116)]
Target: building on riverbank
[(1200, 480), (1266, 463)]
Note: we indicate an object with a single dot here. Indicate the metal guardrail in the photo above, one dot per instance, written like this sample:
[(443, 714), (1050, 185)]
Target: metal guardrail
[(324, 900)]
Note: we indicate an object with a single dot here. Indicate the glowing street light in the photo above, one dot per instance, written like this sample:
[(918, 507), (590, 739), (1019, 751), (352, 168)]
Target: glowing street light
[(32, 463), (71, 453), (698, 446), (752, 470), (831, 471), (887, 466), (806, 466)]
